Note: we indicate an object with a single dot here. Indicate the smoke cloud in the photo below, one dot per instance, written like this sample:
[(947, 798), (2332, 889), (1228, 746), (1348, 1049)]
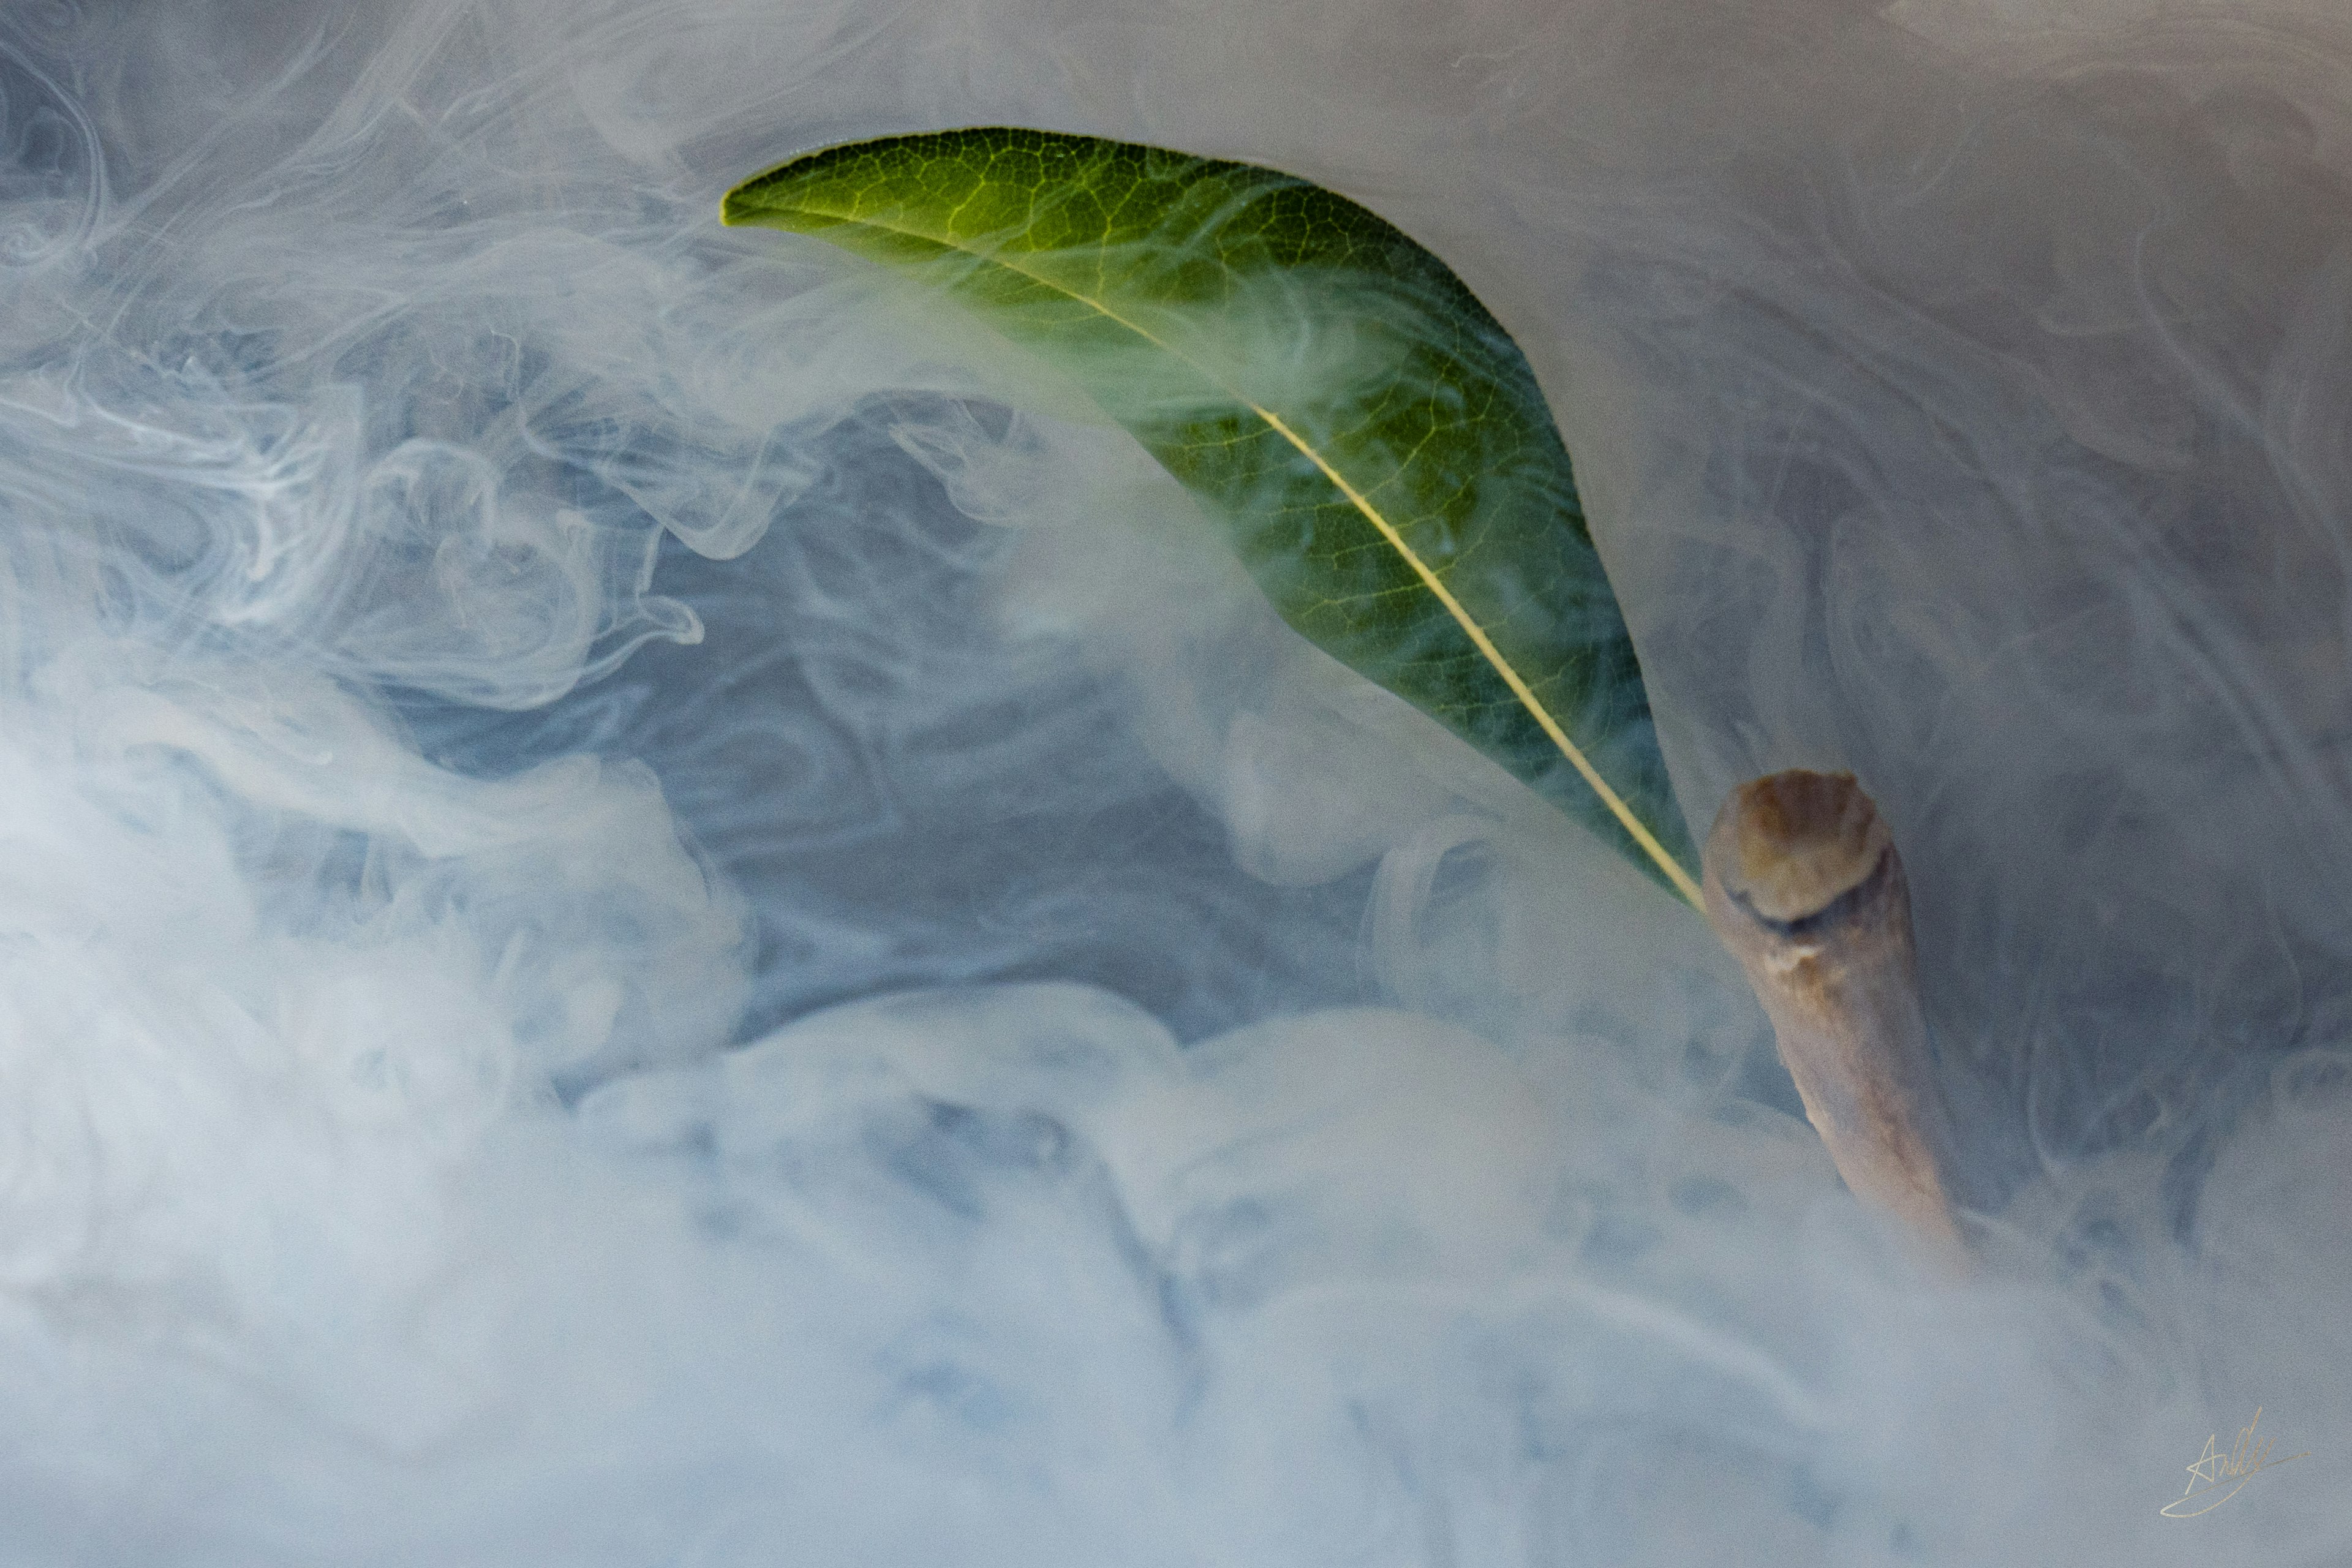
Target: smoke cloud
[(650, 916)]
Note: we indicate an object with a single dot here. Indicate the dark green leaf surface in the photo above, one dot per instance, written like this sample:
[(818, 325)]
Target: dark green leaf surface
[(1374, 441)]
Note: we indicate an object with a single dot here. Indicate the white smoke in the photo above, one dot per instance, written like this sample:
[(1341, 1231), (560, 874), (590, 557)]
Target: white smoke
[(640, 927)]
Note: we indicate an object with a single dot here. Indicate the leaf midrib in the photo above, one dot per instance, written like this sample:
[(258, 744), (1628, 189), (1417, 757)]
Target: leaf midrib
[(1551, 727)]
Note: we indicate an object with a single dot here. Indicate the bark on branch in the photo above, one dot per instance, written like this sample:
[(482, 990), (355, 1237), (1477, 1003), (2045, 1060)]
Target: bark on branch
[(1804, 885)]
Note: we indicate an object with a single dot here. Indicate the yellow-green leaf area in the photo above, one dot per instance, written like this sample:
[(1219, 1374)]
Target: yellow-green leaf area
[(1373, 441)]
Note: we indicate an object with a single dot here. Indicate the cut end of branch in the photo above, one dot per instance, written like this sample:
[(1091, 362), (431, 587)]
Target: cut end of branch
[(1789, 844)]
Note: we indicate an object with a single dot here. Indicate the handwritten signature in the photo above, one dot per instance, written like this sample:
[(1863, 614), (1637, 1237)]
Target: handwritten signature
[(2231, 1470)]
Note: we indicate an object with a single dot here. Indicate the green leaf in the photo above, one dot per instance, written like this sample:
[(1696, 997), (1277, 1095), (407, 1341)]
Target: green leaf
[(1370, 436)]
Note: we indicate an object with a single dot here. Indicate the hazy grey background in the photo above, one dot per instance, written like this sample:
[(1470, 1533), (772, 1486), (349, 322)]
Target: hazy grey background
[(639, 926)]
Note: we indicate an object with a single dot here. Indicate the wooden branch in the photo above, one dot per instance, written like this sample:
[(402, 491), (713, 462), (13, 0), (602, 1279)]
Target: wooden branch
[(1804, 887)]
